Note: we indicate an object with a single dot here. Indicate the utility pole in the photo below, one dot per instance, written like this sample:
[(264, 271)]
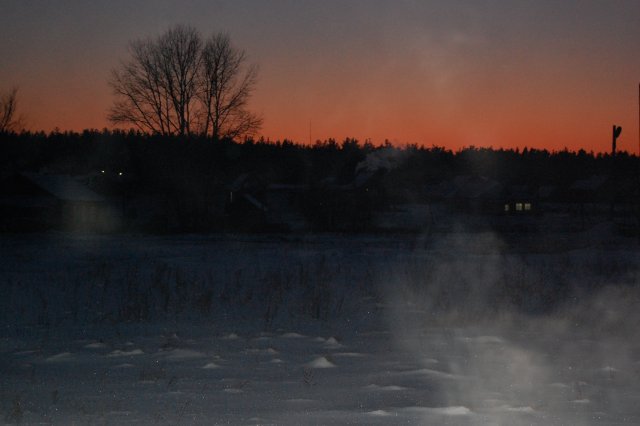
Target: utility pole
[(616, 133), (614, 173)]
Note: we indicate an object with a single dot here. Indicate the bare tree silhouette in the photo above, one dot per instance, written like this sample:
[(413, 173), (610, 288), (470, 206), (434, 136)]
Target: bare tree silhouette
[(226, 87), (177, 84), (9, 120)]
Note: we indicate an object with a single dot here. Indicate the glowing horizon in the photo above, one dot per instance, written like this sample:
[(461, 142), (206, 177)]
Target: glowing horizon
[(501, 75)]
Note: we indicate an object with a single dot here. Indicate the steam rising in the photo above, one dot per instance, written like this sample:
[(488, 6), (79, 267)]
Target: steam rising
[(387, 159), (520, 339)]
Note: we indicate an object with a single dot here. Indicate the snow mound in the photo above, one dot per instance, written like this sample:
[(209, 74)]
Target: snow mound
[(178, 354), (331, 341), (385, 388), (443, 411), (63, 356), (210, 366), (119, 353), (483, 339), (581, 401), (350, 354), (125, 365), (430, 372), (29, 352), (528, 410), (268, 351), (292, 335), (452, 411), (276, 361), (231, 336), (321, 362), (379, 413), (301, 401), (95, 345)]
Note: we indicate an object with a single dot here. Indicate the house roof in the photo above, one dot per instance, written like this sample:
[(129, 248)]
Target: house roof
[(64, 187), (284, 187), (475, 187), (593, 183), (521, 192), (547, 191), (247, 181)]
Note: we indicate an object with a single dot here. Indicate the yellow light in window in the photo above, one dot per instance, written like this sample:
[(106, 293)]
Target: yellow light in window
[(527, 207), (519, 207)]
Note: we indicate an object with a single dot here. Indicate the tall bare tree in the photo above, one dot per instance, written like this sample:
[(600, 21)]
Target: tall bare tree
[(226, 86), (9, 120), (180, 53), (177, 84)]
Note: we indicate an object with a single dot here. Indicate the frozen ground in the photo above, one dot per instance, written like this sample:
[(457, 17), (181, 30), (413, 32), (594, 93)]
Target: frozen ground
[(464, 329)]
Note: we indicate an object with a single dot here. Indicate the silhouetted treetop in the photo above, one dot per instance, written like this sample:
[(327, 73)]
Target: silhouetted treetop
[(181, 84), (9, 119)]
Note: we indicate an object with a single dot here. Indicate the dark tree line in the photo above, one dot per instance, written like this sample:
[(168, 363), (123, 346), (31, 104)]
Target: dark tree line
[(154, 157)]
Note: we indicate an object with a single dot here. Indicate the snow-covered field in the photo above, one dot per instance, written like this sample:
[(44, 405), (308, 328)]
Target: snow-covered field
[(458, 329)]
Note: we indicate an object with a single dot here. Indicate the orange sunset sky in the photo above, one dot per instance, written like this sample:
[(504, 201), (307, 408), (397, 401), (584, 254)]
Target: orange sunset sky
[(543, 74)]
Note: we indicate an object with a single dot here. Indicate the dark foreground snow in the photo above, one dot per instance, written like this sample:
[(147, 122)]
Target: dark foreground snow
[(469, 330)]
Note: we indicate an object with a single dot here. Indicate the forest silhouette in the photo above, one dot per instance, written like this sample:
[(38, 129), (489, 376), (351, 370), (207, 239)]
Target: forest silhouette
[(191, 156), (156, 157), (333, 182)]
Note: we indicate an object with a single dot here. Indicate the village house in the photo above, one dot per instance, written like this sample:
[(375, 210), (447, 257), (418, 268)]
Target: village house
[(36, 202)]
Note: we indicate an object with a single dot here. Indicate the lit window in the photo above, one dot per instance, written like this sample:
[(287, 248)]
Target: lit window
[(120, 174), (519, 207), (506, 207), (527, 207)]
